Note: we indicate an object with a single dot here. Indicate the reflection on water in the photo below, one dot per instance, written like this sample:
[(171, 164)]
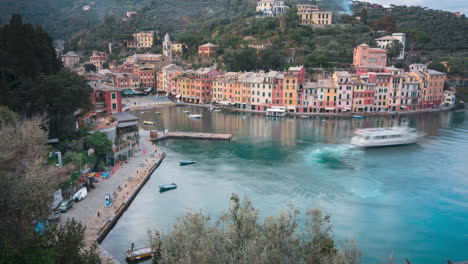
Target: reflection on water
[(410, 200)]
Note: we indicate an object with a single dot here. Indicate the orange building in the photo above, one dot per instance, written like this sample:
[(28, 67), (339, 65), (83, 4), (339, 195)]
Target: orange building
[(207, 50)]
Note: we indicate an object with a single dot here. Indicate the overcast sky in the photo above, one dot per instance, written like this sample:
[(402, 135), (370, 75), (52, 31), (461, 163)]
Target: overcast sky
[(449, 5)]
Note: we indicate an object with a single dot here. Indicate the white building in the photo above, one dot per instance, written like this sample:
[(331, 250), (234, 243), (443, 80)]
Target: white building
[(271, 8), (167, 46), (385, 42)]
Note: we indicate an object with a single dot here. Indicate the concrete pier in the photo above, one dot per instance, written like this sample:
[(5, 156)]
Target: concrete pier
[(191, 135)]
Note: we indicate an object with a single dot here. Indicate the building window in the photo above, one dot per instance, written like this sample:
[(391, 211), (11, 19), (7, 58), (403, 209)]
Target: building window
[(114, 106)]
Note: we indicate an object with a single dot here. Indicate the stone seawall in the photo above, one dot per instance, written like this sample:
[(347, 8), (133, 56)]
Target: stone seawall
[(106, 217)]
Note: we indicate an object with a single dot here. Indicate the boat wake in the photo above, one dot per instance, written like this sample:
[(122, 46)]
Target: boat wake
[(337, 157)]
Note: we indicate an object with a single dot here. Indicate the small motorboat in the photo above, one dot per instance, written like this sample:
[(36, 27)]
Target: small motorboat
[(357, 116), (186, 112), (195, 116), (304, 116), (138, 254), (150, 123), (158, 113), (217, 110), (186, 162), (80, 194), (167, 187)]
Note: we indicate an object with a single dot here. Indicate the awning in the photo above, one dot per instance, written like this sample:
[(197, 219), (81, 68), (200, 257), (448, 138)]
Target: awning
[(178, 96), (127, 124), (347, 109), (329, 108), (128, 92), (225, 102), (404, 107), (291, 108), (360, 106)]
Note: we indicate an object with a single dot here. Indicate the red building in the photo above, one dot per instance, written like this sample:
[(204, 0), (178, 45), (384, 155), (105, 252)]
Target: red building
[(365, 55), (106, 98)]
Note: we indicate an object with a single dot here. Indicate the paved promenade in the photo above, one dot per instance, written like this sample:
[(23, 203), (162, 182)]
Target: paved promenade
[(123, 184)]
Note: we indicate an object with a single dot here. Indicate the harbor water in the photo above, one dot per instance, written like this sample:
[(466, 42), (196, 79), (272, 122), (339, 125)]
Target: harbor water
[(405, 202)]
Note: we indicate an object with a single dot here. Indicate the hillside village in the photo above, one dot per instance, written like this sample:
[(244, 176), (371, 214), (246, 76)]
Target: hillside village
[(373, 83)]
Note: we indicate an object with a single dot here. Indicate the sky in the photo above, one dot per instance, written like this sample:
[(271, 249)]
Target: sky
[(448, 5)]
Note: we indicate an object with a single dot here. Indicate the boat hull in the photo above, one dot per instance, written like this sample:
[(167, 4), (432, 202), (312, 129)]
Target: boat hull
[(167, 187), (186, 162)]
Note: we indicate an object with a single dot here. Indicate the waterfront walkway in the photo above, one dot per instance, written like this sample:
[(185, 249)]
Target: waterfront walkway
[(124, 184)]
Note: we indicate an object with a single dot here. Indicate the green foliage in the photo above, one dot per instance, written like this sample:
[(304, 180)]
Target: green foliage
[(394, 50), (239, 236), (99, 142), (247, 59), (437, 66), (64, 244), (90, 67), (387, 23), (32, 81), (444, 29)]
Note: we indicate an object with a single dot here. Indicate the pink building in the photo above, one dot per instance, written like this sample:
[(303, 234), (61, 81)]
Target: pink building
[(365, 55), (344, 83)]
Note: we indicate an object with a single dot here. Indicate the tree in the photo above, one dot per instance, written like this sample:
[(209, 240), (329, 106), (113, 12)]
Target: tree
[(90, 67), (416, 36), (394, 49), (33, 82), (26, 189), (25, 199), (437, 66), (99, 142), (68, 242), (238, 236), (364, 16), (387, 23)]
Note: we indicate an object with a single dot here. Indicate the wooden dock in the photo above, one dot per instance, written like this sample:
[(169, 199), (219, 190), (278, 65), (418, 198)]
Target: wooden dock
[(191, 135)]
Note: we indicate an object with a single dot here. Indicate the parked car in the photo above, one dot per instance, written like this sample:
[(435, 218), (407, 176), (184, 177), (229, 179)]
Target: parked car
[(65, 206), (54, 217)]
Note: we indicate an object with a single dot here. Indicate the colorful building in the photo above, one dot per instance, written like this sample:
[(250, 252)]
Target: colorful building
[(70, 59), (431, 84), (98, 59), (207, 50), (365, 55), (310, 15), (271, 8), (144, 39)]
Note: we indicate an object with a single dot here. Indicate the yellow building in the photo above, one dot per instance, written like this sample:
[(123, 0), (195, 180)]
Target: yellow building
[(310, 15), (290, 84), (144, 39), (177, 48)]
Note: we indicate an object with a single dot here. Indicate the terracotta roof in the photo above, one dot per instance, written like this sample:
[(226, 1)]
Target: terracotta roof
[(209, 45)]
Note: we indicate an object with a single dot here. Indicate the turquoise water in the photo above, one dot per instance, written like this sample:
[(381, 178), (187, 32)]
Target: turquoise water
[(407, 201)]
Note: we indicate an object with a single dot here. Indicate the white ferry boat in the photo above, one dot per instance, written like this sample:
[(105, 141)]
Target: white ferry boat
[(384, 137)]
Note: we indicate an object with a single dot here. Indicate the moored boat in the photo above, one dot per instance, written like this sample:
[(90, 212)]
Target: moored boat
[(150, 123), (276, 111), (195, 116), (167, 187), (357, 116), (133, 255), (186, 162), (186, 112), (384, 137)]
